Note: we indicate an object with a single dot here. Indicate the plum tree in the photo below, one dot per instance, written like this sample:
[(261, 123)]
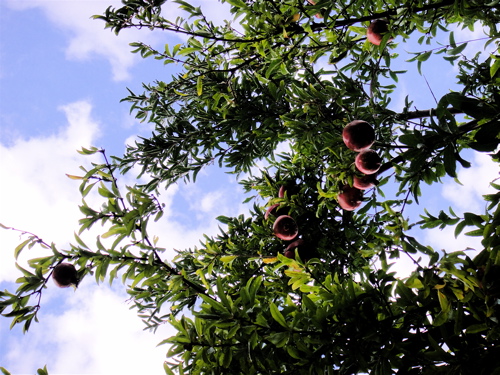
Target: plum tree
[(268, 101)]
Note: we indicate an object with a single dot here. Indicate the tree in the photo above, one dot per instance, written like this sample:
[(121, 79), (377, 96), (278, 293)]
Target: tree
[(297, 73)]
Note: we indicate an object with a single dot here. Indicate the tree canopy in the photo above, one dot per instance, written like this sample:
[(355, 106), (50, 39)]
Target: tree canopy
[(277, 85)]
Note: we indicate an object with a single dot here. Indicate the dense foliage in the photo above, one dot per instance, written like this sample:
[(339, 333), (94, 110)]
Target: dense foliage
[(294, 73)]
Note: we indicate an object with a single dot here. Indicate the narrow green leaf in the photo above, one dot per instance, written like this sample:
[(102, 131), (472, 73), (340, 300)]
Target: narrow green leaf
[(458, 229), (212, 302), (20, 247), (452, 40), (494, 68), (199, 85), (228, 258), (167, 369), (475, 328), (74, 177), (276, 314)]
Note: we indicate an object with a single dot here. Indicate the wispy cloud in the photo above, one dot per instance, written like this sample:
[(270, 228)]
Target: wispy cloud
[(90, 331), (464, 198), (87, 38), (475, 183), (35, 194)]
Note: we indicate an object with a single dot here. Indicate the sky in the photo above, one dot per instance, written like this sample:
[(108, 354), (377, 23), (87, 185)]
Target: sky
[(62, 76)]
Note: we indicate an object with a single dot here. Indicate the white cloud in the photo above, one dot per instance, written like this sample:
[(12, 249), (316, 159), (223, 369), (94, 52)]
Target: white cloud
[(463, 198), (87, 37), (475, 183), (35, 194), (89, 331)]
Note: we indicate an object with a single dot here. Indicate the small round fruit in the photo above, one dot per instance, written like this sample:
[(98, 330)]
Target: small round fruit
[(376, 31), (285, 228), (274, 210), (358, 135), (281, 192), (365, 182), (368, 161), (65, 275), (271, 210), (290, 188), (303, 250), (350, 198)]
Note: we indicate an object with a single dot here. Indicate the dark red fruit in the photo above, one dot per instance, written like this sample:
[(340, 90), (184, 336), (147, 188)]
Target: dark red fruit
[(365, 182), (291, 188), (281, 192), (274, 210), (271, 210), (65, 275), (285, 228), (304, 252), (350, 198), (358, 135), (368, 161), (376, 31)]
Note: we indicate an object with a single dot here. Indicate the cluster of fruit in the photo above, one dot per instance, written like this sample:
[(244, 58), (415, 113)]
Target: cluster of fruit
[(286, 228), (359, 136)]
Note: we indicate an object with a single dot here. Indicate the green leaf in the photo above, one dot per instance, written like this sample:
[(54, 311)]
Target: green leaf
[(457, 50), (475, 328), (458, 229), (237, 3), (199, 85), (223, 219), (452, 40), (167, 369), (450, 163), (228, 258), (20, 247), (212, 302), (494, 68), (74, 177), (276, 314), (424, 56), (114, 230), (221, 292), (279, 339), (88, 151), (104, 191)]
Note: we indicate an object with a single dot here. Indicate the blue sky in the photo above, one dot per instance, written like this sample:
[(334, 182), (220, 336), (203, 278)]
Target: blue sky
[(61, 79)]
